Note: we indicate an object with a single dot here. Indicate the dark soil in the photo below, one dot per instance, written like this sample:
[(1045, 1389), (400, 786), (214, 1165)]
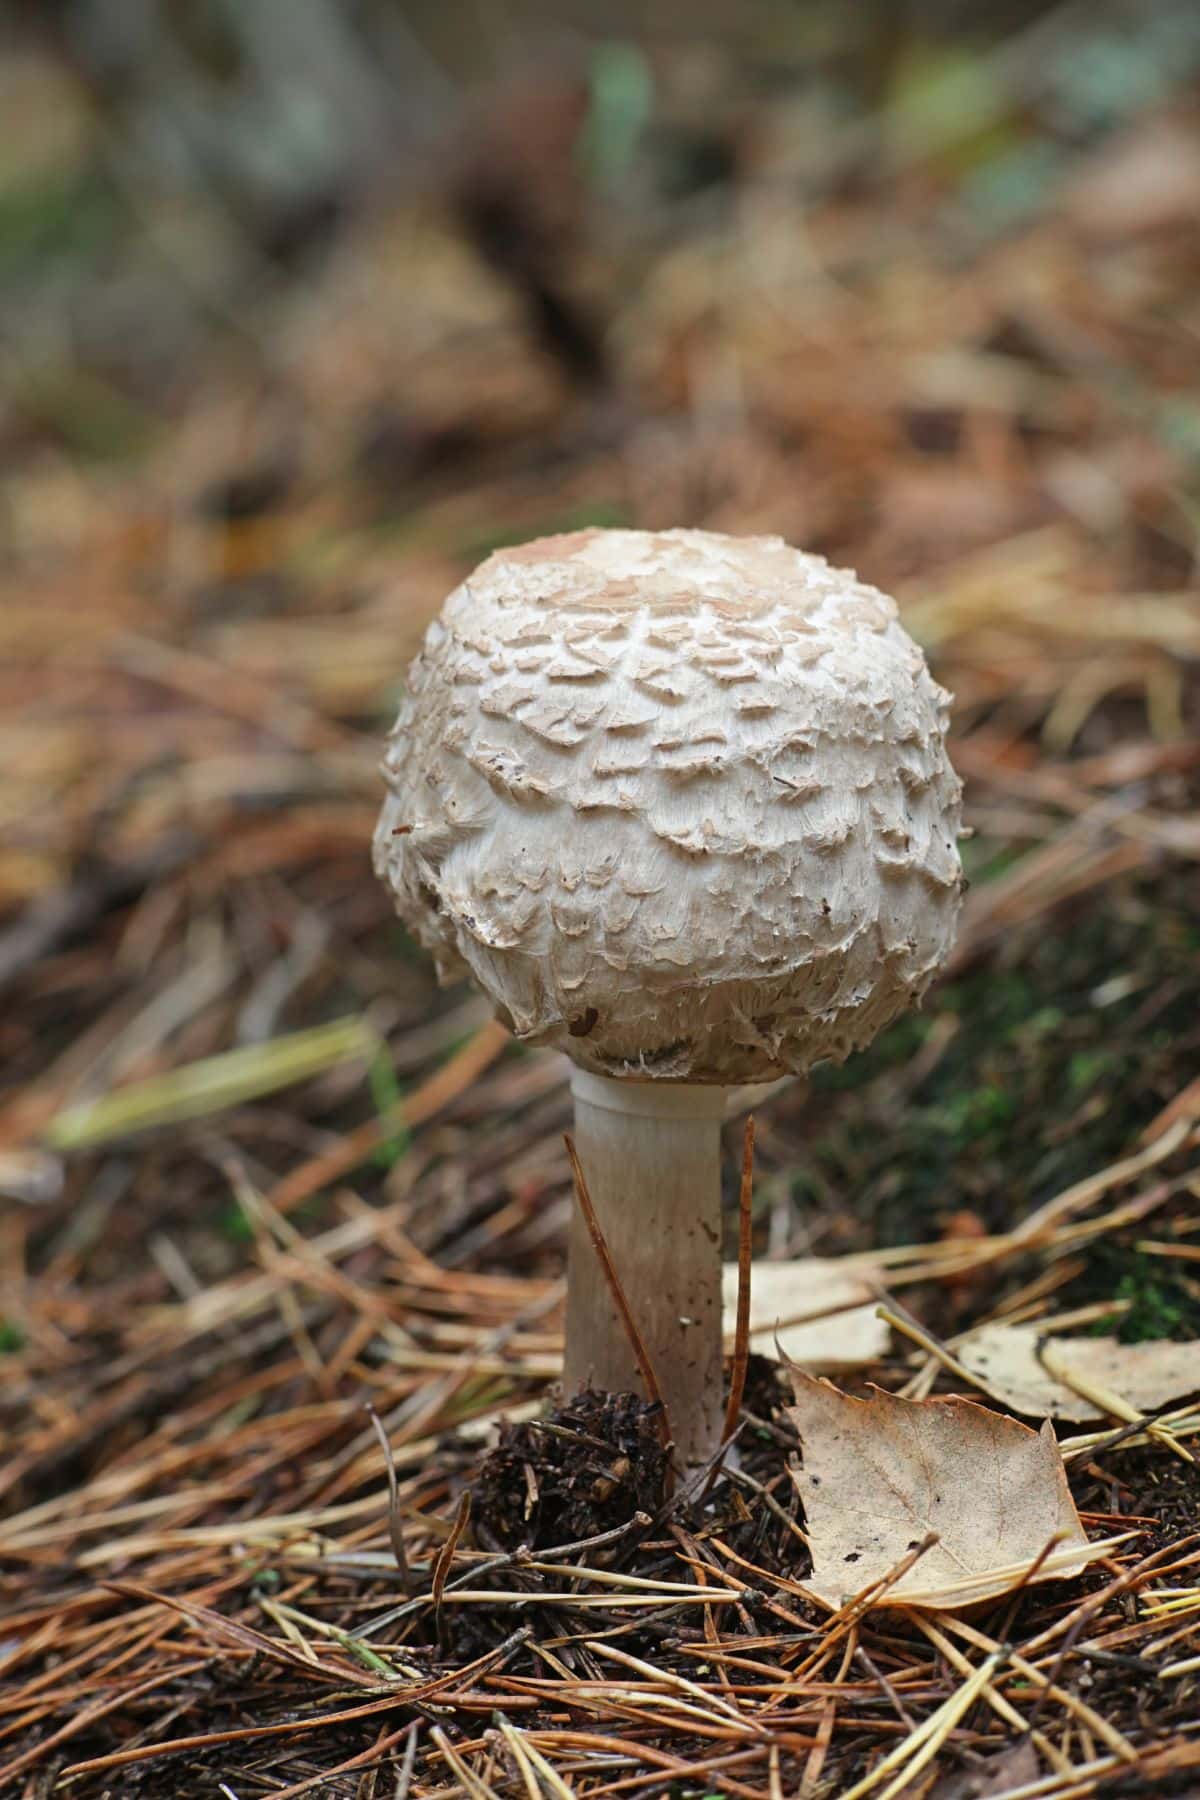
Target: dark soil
[(588, 1467)]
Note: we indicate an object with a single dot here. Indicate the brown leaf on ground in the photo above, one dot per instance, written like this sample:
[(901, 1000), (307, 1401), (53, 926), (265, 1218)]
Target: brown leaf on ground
[(1016, 1365), (819, 1314), (882, 1474)]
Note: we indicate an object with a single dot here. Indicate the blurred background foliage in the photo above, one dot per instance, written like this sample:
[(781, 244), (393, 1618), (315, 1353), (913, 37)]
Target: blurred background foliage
[(174, 173), (305, 305)]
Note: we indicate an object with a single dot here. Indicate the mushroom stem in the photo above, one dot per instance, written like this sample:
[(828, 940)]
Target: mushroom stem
[(651, 1153)]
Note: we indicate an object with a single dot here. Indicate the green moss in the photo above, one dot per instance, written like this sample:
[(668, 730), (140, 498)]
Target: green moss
[(972, 1114), (88, 414), (1044, 1023), (1086, 1067), (982, 861), (1160, 1304), (403, 945), (1035, 1086), (55, 217)]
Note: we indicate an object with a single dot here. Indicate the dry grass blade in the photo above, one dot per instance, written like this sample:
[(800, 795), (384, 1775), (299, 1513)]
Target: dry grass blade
[(1071, 1703), (242, 1636), (203, 1088), (908, 1759), (471, 1783), (205, 1740), (445, 1558), (530, 1758), (395, 1525)]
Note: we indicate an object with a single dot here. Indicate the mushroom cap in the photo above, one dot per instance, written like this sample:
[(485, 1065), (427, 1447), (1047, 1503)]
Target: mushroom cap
[(679, 802)]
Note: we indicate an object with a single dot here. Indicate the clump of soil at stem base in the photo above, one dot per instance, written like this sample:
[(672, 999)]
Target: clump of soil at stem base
[(588, 1467)]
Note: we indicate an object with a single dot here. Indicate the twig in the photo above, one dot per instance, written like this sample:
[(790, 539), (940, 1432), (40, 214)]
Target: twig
[(395, 1529), (441, 1567)]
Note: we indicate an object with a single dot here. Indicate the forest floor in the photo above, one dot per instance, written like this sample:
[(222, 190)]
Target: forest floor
[(282, 1224)]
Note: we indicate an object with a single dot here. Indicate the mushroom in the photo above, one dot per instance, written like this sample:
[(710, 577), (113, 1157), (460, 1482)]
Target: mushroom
[(681, 804)]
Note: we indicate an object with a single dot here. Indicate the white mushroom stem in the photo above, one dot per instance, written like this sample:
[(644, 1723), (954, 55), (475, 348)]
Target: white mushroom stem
[(651, 1156)]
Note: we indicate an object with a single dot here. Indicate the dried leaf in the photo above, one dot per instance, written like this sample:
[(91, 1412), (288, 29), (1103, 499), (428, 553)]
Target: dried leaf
[(881, 1474), (821, 1315), (1006, 1362)]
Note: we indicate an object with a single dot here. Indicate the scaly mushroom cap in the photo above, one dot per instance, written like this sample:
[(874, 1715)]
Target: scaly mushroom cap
[(680, 803)]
